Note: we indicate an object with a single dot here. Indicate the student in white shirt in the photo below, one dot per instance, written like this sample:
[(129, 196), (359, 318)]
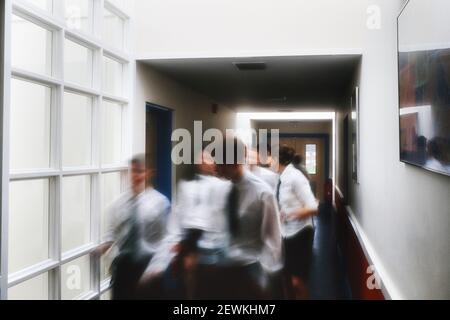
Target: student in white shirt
[(297, 207), (255, 243), (266, 175), (197, 229), (136, 226)]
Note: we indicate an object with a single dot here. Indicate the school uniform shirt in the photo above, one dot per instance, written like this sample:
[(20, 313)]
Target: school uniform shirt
[(295, 193), (259, 236), (151, 210), (266, 175), (200, 205)]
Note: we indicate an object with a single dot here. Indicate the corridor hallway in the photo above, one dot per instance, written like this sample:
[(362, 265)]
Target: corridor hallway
[(357, 91)]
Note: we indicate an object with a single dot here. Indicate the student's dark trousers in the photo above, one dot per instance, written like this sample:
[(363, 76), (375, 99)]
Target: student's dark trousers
[(126, 270)]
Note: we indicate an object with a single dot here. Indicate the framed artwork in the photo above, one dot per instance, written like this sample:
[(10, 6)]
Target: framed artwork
[(424, 85), (355, 138)]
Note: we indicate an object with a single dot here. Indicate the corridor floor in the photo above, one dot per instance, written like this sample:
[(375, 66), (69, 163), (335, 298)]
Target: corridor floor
[(327, 278)]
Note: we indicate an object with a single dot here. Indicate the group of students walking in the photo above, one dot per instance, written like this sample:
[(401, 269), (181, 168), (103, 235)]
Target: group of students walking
[(235, 231)]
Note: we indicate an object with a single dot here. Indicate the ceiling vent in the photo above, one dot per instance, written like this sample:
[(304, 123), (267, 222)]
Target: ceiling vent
[(250, 66), (278, 99)]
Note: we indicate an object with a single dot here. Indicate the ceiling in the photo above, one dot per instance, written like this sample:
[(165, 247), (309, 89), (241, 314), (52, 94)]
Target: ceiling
[(285, 82)]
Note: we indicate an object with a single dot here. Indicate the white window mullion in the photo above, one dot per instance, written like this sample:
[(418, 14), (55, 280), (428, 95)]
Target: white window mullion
[(57, 138), (5, 150), (95, 230), (96, 143), (98, 18)]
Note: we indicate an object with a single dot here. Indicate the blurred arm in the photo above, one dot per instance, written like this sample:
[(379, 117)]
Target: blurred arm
[(271, 253)]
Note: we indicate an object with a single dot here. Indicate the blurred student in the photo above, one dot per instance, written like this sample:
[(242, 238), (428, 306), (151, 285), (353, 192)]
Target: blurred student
[(297, 208), (258, 167), (197, 230), (137, 223), (255, 243), (298, 163)]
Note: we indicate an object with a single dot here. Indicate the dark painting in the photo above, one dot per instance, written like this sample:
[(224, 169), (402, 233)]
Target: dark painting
[(424, 99)]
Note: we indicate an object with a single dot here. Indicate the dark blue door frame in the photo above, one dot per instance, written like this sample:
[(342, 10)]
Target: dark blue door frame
[(163, 177), (326, 139)]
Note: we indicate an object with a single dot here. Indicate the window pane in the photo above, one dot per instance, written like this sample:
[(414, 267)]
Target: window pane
[(77, 130), (33, 289), (311, 158), (112, 77), (76, 212), (42, 4), (31, 46), (112, 133), (113, 30), (75, 278), (121, 4), (105, 267), (28, 223), (111, 187), (106, 295), (78, 15), (30, 125), (78, 63)]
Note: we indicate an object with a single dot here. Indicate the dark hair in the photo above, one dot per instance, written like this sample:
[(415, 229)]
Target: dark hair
[(139, 160), (286, 155), (235, 146), (298, 160)]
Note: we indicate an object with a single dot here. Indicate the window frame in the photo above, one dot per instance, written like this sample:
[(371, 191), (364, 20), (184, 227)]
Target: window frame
[(56, 173), (306, 156)]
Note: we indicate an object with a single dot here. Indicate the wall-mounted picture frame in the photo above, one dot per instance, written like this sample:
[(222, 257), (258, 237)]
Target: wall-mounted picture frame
[(424, 86), (355, 137)]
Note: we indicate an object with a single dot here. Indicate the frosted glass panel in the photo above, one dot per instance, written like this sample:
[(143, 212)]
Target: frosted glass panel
[(78, 63), (78, 14), (111, 187), (113, 29), (121, 4), (42, 4), (28, 223), (30, 125), (31, 46), (77, 130), (76, 212), (112, 133), (105, 267), (112, 77), (311, 158), (75, 278), (33, 289)]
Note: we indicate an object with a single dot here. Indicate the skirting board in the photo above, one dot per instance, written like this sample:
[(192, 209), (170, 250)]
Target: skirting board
[(388, 287)]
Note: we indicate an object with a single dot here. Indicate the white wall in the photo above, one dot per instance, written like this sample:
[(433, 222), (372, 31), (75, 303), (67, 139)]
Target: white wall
[(432, 33), (403, 210), (254, 27)]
